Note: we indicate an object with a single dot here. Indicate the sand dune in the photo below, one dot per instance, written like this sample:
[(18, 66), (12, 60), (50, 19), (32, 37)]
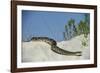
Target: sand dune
[(41, 51)]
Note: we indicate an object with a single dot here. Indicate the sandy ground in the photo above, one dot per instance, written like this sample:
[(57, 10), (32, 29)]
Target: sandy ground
[(41, 51)]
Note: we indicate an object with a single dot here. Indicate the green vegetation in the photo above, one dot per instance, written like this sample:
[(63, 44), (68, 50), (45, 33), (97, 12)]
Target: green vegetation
[(72, 29), (83, 28)]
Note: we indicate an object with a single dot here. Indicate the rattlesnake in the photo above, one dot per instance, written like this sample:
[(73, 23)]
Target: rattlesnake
[(54, 46)]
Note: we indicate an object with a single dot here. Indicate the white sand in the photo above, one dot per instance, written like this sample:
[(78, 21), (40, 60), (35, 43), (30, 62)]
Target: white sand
[(41, 51)]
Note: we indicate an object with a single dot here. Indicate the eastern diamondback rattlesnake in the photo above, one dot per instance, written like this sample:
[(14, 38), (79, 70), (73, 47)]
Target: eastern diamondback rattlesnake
[(54, 46)]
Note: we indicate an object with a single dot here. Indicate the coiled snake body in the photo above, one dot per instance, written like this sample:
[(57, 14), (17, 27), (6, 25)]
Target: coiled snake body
[(54, 46)]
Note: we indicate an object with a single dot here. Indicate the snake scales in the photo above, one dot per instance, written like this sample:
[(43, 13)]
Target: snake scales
[(54, 46)]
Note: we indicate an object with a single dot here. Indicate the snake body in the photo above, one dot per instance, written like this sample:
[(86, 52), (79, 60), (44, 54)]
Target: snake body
[(54, 46)]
